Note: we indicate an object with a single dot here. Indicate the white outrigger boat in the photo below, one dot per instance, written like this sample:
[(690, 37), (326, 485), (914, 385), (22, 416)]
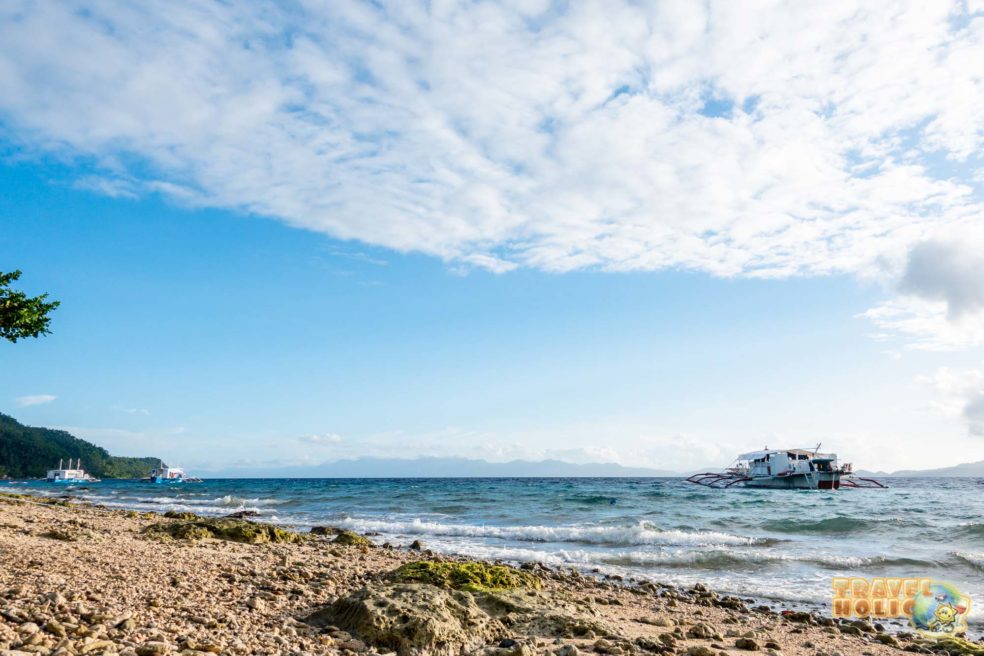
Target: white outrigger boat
[(70, 474), (165, 474), (786, 469)]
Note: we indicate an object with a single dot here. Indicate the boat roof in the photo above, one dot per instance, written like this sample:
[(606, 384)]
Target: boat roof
[(757, 455)]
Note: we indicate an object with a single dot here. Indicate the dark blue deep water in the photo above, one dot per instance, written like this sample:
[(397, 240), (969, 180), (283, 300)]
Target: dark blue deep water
[(774, 544)]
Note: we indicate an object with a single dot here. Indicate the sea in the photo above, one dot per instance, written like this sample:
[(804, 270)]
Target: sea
[(779, 547)]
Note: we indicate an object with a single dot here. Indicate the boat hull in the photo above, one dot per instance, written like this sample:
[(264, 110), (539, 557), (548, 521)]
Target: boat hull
[(804, 481)]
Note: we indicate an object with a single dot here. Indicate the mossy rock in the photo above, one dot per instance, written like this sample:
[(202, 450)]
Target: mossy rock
[(53, 502), (182, 514), (472, 576), (325, 530), (956, 645), (63, 535), (235, 530), (16, 499), (352, 539)]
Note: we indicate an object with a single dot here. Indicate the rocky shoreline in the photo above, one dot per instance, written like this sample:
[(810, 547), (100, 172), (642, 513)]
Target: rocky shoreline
[(81, 579)]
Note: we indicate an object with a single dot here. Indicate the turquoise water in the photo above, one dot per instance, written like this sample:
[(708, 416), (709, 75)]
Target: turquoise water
[(768, 544)]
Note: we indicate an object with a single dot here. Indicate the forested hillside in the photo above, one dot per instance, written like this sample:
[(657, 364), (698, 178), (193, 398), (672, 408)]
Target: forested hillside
[(26, 452)]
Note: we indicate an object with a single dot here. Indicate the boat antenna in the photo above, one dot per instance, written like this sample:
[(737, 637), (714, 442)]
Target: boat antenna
[(60, 461), (817, 449)]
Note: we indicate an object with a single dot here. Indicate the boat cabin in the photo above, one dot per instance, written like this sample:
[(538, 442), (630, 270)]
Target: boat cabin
[(768, 463), (168, 473)]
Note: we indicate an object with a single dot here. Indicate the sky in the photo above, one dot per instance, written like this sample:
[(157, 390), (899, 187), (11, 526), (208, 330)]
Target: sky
[(651, 233)]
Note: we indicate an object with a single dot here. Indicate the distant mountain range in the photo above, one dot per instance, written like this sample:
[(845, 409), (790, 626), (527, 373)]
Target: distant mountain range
[(442, 468), (29, 452), (966, 469), (433, 467)]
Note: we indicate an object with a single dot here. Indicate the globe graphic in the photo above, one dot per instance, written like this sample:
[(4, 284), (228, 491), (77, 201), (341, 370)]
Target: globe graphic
[(924, 609)]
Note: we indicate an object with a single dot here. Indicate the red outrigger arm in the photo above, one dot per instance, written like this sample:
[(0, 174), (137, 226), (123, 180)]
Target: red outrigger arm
[(717, 480)]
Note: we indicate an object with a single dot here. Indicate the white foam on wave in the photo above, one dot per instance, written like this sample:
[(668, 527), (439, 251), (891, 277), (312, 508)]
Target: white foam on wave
[(721, 557), (637, 534), (975, 559), (682, 557), (721, 579), (223, 502), (230, 500), (178, 506)]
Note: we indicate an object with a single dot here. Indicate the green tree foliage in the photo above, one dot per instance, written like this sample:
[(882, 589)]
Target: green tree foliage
[(20, 315), (27, 452)]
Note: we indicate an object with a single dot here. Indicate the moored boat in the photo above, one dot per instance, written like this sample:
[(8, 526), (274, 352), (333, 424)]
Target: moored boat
[(786, 469), (70, 474), (165, 474)]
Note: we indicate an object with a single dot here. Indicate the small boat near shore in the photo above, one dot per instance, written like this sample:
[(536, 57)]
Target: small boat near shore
[(786, 469), (70, 474), (165, 474)]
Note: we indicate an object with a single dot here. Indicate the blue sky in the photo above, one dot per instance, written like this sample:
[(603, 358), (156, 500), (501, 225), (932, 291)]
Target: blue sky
[(334, 242), (203, 335)]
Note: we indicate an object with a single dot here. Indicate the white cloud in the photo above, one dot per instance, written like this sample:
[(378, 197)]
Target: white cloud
[(112, 187), (500, 135), (948, 271), (961, 397), (940, 305), (327, 439), (765, 138), (34, 399), (132, 411), (927, 325)]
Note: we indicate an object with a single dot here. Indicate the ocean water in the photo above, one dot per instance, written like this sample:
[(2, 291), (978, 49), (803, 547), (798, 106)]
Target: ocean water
[(776, 545)]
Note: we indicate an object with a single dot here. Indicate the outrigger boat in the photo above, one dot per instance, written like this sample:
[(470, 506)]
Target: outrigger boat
[(786, 469), (165, 474), (71, 474)]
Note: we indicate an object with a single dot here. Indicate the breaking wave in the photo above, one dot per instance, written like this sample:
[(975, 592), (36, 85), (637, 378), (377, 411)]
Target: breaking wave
[(976, 560), (642, 533)]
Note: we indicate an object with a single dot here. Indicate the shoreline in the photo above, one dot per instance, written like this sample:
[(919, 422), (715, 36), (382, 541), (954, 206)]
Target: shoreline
[(592, 570), (78, 578), (780, 599)]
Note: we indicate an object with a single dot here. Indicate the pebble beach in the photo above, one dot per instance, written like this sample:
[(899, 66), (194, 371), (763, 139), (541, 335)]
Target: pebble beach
[(83, 579)]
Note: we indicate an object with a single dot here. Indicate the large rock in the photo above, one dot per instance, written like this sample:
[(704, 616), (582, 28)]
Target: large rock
[(474, 576), (537, 613), (413, 619), (236, 530), (352, 539)]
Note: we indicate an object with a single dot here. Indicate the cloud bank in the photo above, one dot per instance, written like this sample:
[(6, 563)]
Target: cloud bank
[(326, 439), (739, 139), (941, 294), (962, 397), (33, 399)]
